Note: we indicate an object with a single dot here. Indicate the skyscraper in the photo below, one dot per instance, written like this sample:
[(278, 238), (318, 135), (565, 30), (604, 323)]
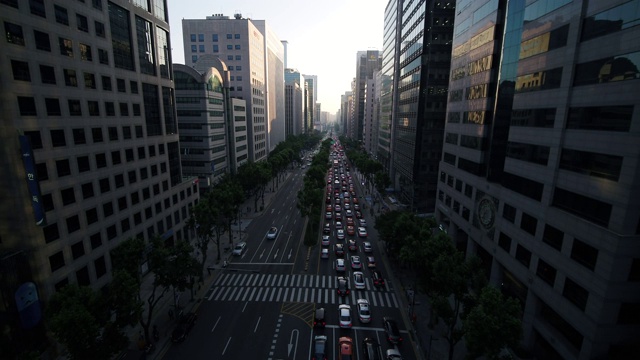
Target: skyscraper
[(539, 173), (90, 153), (294, 102), (367, 64)]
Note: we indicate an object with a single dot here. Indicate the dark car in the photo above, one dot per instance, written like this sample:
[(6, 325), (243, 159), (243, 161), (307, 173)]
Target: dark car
[(318, 318), (326, 229), (343, 286), (391, 328), (184, 326), (339, 250), (370, 349), (378, 280)]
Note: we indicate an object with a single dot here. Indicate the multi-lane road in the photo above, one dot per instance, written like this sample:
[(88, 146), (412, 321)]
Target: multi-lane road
[(262, 305)]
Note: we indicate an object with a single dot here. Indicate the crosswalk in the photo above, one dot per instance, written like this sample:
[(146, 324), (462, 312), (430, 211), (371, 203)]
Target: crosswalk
[(320, 289)]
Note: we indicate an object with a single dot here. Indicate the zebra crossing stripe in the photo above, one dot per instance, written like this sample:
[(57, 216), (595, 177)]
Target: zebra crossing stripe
[(259, 292), (280, 277), (279, 292), (232, 293)]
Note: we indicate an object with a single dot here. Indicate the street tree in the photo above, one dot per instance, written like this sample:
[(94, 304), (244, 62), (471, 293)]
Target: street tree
[(206, 220)]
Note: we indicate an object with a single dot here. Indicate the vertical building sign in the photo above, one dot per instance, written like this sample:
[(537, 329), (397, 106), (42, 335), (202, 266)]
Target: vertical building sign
[(32, 180)]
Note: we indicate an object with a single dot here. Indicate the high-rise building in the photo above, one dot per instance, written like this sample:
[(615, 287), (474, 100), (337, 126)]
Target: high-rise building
[(539, 174), (254, 58), (310, 101), (371, 115), (212, 125), (422, 73), (294, 102), (346, 113), (89, 141), (367, 64)]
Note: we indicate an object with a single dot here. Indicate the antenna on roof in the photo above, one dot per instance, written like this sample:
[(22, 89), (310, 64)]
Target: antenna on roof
[(237, 15)]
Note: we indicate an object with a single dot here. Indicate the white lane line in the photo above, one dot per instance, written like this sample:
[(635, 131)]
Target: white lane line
[(258, 323), (225, 347), (245, 306), (216, 324)]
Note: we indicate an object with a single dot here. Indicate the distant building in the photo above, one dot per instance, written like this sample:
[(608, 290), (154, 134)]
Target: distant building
[(255, 61), (294, 102), (539, 172), (213, 126), (371, 116), (310, 101), (367, 64)]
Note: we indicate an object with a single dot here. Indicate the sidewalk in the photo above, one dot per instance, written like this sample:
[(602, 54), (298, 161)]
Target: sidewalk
[(186, 303)]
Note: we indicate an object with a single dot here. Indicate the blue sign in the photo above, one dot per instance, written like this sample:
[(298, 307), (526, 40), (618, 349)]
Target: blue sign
[(28, 305), (32, 180)]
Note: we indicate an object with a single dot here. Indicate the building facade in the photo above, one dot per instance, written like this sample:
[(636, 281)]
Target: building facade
[(213, 135), (367, 64), (241, 45), (424, 55), (294, 102), (371, 115), (539, 173), (90, 152)]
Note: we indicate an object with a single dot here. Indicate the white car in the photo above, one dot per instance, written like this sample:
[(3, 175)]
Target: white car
[(358, 280), (394, 354), (345, 316), (340, 234), (355, 262), (367, 247), (338, 225), (340, 265), (272, 233), (240, 248), (364, 311), (325, 253), (325, 240), (362, 232), (363, 223)]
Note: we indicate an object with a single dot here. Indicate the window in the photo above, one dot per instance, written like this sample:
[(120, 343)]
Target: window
[(124, 110), (34, 138), (101, 160), (122, 203), (582, 206), (20, 70), (37, 8), (13, 33), (216, 48), (68, 196), (94, 108), (75, 109), (126, 131), (103, 56), (47, 201), (584, 254), (97, 135), (152, 150), (129, 155), (85, 52), (238, 57), (120, 25), (200, 37), (82, 276), (610, 69), (105, 186), (99, 28), (214, 37), (139, 133), (134, 86), (27, 106), (91, 215), (56, 261), (66, 47), (106, 83), (100, 266), (593, 164), (107, 209), (47, 74), (229, 36), (192, 37), (135, 198), (73, 224), (58, 138), (629, 313), (611, 20), (141, 153), (528, 223), (523, 255), (509, 213), (82, 23), (70, 78), (42, 40), (546, 272), (89, 81), (229, 47), (553, 237), (122, 87), (132, 177), (194, 58), (96, 240), (83, 164), (109, 108), (119, 180), (115, 157), (62, 17), (113, 133), (51, 233), (575, 293), (53, 107), (504, 241), (201, 48), (111, 232), (229, 57)]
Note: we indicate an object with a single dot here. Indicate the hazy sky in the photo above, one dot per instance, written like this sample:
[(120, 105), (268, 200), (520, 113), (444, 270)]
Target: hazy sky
[(324, 36)]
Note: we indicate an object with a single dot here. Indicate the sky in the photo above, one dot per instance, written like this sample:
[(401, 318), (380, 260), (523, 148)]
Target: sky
[(323, 36)]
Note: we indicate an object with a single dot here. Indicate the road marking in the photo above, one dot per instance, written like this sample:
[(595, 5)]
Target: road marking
[(259, 292), (258, 323), (216, 324), (278, 297), (273, 293), (290, 346), (252, 292), (225, 347), (280, 277), (387, 296), (233, 293)]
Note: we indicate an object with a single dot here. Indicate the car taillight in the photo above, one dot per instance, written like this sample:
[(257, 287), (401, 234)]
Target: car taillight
[(347, 292)]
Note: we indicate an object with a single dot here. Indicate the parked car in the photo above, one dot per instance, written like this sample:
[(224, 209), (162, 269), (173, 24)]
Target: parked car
[(394, 354), (364, 311), (272, 234), (345, 348), (318, 318), (391, 329), (240, 248), (344, 313), (184, 326), (319, 347)]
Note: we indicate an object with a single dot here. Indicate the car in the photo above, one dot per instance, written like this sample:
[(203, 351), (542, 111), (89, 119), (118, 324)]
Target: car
[(319, 347), (350, 221), (355, 200), (376, 277), (371, 262), (345, 348), (352, 245), (363, 223), (348, 213), (240, 248), (340, 265), (356, 207), (339, 250), (318, 318), (391, 329), (344, 313), (324, 253), (351, 230), (326, 241), (184, 326), (358, 280), (338, 208), (328, 215), (338, 225), (355, 262), (347, 206), (340, 234), (362, 232), (329, 208), (338, 216), (272, 233), (327, 228), (370, 349), (393, 354), (342, 284), (367, 247), (358, 215)]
